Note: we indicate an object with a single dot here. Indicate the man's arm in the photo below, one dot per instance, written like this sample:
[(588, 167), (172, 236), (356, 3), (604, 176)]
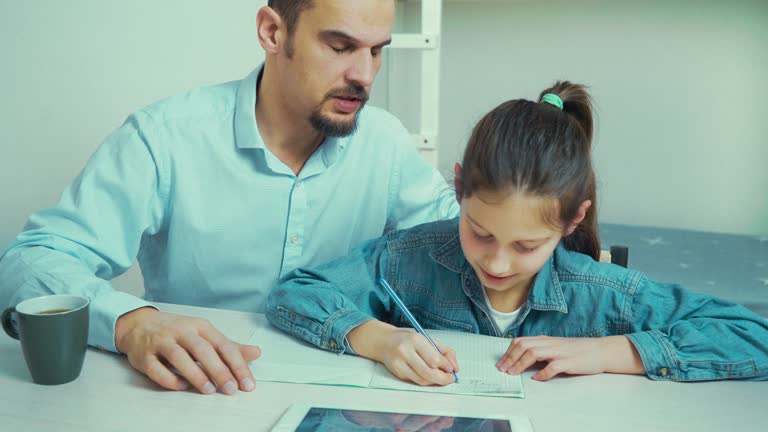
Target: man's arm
[(93, 233), (93, 236), (418, 193)]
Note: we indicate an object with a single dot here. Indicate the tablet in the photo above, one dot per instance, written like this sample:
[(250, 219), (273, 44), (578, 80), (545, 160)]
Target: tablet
[(305, 418)]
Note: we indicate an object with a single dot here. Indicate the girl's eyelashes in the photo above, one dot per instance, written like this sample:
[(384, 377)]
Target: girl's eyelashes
[(522, 249), (519, 247), (485, 238)]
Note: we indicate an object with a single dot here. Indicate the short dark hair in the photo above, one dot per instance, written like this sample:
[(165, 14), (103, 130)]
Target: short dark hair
[(290, 10)]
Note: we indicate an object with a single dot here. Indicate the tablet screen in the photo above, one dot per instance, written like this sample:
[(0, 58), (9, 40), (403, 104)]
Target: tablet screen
[(329, 419)]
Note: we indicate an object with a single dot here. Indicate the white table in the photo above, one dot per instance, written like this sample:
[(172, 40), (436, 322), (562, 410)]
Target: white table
[(110, 396)]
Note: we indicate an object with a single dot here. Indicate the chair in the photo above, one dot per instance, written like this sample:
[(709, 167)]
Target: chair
[(618, 255)]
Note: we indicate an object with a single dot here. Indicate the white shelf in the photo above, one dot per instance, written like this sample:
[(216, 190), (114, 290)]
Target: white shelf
[(414, 41), (428, 43)]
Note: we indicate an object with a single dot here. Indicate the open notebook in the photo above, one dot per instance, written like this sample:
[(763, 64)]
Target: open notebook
[(286, 359)]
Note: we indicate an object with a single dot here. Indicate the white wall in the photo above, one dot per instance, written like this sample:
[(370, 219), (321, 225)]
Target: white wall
[(73, 70), (681, 88)]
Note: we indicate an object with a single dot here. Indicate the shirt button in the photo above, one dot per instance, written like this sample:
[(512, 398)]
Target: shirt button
[(663, 371), (332, 344), (298, 183), (294, 239)]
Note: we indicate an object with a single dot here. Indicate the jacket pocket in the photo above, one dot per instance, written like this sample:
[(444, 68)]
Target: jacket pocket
[(429, 320)]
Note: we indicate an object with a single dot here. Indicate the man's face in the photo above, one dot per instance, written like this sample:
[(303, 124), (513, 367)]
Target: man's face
[(336, 54)]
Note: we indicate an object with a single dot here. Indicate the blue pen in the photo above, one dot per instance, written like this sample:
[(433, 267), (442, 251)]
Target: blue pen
[(411, 318)]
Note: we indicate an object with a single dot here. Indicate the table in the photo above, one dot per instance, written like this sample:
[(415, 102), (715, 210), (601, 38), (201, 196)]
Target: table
[(110, 396)]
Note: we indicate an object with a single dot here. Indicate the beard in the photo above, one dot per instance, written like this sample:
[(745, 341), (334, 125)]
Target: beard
[(334, 128)]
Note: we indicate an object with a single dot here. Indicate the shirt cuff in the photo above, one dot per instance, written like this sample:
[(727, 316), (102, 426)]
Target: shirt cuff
[(657, 355), (104, 311), (339, 325)]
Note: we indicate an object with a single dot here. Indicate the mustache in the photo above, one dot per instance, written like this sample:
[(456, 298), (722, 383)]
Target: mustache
[(349, 92)]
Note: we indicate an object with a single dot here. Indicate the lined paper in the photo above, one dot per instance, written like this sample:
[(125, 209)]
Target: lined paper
[(477, 356)]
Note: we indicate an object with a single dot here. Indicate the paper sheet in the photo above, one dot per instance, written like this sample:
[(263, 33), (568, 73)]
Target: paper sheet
[(287, 359)]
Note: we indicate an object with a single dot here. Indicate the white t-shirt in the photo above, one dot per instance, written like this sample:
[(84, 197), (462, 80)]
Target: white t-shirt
[(503, 319)]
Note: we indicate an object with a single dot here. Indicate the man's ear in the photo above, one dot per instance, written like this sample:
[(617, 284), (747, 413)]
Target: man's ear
[(580, 215), (457, 181), (269, 27)]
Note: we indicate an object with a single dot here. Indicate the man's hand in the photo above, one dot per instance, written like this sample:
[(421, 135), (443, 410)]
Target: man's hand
[(157, 341), (575, 356), (407, 354)]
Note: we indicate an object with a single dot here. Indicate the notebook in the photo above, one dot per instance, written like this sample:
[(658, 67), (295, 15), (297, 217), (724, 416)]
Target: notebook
[(287, 359)]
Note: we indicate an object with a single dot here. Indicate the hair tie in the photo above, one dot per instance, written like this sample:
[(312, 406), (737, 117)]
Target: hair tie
[(553, 99)]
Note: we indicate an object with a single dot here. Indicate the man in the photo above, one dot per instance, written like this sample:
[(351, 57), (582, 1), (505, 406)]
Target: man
[(220, 191)]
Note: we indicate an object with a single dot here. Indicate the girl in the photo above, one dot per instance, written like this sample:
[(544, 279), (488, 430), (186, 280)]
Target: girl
[(520, 262)]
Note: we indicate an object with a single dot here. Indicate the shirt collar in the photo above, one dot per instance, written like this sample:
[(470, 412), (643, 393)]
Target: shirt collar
[(247, 132)]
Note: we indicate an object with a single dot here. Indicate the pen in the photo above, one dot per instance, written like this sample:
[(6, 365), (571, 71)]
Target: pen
[(411, 318)]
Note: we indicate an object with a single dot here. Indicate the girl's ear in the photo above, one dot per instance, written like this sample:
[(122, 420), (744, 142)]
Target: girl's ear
[(268, 24), (457, 181), (580, 215)]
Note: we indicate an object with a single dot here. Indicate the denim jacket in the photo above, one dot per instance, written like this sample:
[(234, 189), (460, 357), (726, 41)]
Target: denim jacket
[(680, 335)]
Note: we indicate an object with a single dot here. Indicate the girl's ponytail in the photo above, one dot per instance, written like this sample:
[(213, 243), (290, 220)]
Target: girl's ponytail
[(577, 104)]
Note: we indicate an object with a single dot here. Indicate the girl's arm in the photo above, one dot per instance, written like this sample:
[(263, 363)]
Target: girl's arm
[(322, 304), (681, 335), (671, 334), (339, 307), (574, 356)]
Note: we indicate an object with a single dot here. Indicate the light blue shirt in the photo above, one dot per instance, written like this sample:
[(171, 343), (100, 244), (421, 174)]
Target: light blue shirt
[(188, 187)]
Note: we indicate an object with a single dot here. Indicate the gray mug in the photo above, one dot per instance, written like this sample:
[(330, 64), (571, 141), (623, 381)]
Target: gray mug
[(53, 331)]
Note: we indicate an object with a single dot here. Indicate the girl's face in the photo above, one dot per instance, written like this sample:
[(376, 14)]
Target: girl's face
[(506, 239)]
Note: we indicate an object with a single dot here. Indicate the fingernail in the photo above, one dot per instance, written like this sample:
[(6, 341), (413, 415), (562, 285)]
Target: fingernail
[(512, 371), (230, 387), (183, 385), (208, 388), (248, 384)]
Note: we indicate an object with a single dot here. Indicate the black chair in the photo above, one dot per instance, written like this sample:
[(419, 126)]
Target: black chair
[(618, 255)]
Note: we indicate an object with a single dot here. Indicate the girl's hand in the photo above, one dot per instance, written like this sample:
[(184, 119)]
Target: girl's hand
[(411, 357), (575, 356), (405, 353)]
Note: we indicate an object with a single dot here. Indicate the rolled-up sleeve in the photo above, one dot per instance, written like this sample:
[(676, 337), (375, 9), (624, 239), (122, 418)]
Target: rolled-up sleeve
[(322, 305)]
